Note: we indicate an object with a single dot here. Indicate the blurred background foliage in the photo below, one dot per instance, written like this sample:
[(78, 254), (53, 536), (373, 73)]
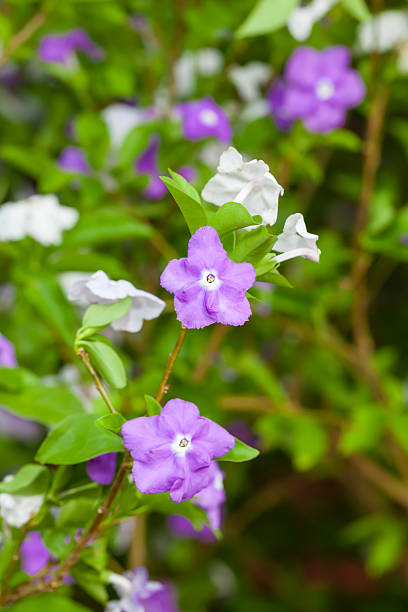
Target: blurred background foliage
[(318, 375)]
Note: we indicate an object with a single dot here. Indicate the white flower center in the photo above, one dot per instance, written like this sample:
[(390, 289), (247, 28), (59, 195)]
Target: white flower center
[(324, 89), (181, 444), (208, 117), (209, 280), (219, 482)]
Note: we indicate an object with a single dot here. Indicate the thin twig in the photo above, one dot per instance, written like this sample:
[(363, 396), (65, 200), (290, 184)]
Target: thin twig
[(14, 559), (84, 357), (22, 36), (162, 390)]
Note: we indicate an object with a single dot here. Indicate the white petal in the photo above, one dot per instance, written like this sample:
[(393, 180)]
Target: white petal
[(312, 254), (209, 61), (230, 161), (383, 32), (13, 218)]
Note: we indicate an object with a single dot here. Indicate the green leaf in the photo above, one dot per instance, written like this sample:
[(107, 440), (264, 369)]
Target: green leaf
[(16, 379), (106, 360), (31, 479), (252, 246), (76, 512), (266, 16), (102, 315), (112, 422), (48, 602), (364, 431), (275, 278), (135, 142), (93, 136), (152, 405), (230, 216), (187, 200), (106, 225), (240, 452), (309, 442), (76, 439), (343, 139), (46, 405), (357, 8)]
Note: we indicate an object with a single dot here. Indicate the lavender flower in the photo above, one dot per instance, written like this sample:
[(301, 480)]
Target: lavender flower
[(60, 48), (100, 289), (7, 353), (34, 555), (204, 119), (208, 287), (319, 87), (102, 469), (139, 594), (173, 451), (72, 159)]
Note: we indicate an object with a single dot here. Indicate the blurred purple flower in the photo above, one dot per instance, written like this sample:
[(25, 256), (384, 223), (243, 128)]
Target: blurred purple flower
[(138, 593), (183, 528), (20, 429), (34, 555), (7, 353), (318, 87), (173, 451), (102, 469), (148, 164), (240, 429), (204, 119), (208, 287), (72, 159), (60, 47)]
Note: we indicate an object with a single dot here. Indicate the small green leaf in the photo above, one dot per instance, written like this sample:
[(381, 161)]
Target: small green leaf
[(230, 216), (46, 405), (187, 200), (112, 422), (240, 452), (252, 246), (152, 405), (49, 602), (275, 278), (357, 8), (32, 479), (76, 439), (134, 143), (267, 16), (101, 315), (106, 360)]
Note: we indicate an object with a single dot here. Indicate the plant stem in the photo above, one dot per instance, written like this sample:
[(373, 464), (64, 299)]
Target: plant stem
[(13, 562), (22, 36), (84, 357), (163, 387)]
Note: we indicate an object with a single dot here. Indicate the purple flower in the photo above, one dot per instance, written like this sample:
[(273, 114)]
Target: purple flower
[(102, 469), (183, 528), (34, 555), (173, 451), (318, 87), (72, 159), (139, 594), (208, 287), (61, 47), (148, 164), (7, 353), (204, 119)]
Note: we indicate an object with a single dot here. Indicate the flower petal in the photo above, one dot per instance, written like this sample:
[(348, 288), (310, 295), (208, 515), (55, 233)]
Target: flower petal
[(176, 275), (233, 311), (240, 274), (178, 416), (142, 434), (350, 89)]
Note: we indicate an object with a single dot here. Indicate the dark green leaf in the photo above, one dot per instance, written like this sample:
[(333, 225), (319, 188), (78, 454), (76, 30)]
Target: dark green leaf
[(47, 405), (31, 479), (230, 216), (187, 200)]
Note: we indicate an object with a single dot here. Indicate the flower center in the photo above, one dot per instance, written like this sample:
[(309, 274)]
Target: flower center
[(208, 117), (324, 89), (183, 442), (210, 278)]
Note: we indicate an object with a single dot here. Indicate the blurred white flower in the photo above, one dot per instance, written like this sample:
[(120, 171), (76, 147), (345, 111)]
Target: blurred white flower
[(205, 62), (17, 510), (248, 183), (250, 78), (120, 119), (135, 589), (40, 216), (383, 32), (296, 241), (100, 289), (302, 19)]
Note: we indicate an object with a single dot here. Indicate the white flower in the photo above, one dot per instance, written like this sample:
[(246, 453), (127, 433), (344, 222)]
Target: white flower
[(296, 241), (40, 216), (302, 19), (248, 183), (205, 62), (120, 119), (383, 32), (100, 289), (249, 79), (17, 510), (134, 588)]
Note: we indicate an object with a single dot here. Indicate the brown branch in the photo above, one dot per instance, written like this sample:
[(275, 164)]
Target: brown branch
[(163, 387), (14, 559), (84, 357), (381, 478), (22, 36)]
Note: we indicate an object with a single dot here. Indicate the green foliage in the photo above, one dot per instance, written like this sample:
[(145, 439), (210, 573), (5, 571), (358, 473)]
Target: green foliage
[(152, 405), (31, 479), (49, 602), (187, 200), (267, 16), (240, 452), (106, 360)]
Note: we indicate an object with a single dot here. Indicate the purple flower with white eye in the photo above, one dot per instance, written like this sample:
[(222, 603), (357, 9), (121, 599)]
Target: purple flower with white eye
[(139, 594), (72, 159), (60, 48), (318, 87), (204, 119), (173, 451), (102, 469), (7, 353), (208, 287), (34, 555)]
